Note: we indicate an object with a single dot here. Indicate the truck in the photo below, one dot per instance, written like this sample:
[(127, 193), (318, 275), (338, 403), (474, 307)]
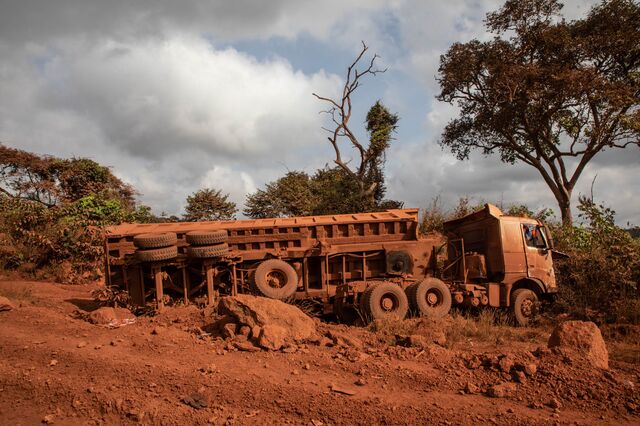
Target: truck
[(366, 265)]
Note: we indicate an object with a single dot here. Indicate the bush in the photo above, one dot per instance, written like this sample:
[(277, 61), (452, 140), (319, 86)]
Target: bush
[(600, 280), (64, 243)]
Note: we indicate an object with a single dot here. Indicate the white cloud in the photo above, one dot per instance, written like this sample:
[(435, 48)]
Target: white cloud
[(174, 108)]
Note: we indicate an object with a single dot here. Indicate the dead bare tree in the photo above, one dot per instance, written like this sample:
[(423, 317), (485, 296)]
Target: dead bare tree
[(340, 111)]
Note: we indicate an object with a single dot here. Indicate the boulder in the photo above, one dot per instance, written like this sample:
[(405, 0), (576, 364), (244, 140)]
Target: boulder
[(5, 304), (111, 316), (584, 339), (277, 323), (502, 390), (273, 337)]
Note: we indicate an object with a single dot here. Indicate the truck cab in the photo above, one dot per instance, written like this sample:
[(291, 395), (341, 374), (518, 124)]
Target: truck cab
[(500, 261)]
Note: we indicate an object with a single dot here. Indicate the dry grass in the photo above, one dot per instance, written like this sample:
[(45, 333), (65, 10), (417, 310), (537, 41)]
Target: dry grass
[(489, 327), (17, 293)]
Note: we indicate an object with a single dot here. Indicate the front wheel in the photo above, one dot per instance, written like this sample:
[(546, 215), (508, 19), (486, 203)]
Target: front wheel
[(524, 306)]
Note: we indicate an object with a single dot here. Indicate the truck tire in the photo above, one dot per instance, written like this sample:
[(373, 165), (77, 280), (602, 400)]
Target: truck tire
[(430, 298), (207, 252), (152, 241), (275, 279), (384, 300), (524, 306), (207, 238), (156, 255)]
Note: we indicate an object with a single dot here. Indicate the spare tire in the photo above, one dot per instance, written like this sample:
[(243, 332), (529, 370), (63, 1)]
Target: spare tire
[(430, 298), (206, 252), (157, 255), (155, 240), (207, 238), (384, 300), (275, 279)]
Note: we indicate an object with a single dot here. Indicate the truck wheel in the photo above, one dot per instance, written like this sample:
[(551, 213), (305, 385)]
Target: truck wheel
[(430, 298), (524, 305), (151, 241), (275, 279), (157, 255), (384, 300), (206, 252), (207, 238)]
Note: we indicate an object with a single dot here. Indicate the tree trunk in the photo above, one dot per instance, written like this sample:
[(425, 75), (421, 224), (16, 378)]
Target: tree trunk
[(564, 202)]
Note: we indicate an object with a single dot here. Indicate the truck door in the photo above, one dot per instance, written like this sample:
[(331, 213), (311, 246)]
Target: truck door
[(538, 254)]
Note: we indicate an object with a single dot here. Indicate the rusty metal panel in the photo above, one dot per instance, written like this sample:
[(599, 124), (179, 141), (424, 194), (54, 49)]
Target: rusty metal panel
[(182, 227)]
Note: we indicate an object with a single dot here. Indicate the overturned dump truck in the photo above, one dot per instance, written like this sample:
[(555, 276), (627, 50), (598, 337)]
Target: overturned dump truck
[(367, 265)]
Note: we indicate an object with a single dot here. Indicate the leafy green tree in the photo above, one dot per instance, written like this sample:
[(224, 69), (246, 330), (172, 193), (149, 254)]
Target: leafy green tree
[(53, 181), (381, 124), (290, 195), (209, 204), (547, 92)]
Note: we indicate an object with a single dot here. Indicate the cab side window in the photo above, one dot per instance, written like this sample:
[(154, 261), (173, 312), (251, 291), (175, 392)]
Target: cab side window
[(533, 236)]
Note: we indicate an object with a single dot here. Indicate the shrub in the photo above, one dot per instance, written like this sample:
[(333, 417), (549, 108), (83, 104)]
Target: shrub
[(600, 279)]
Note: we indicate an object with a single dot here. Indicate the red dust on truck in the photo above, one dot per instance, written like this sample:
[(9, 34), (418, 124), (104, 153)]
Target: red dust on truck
[(374, 264)]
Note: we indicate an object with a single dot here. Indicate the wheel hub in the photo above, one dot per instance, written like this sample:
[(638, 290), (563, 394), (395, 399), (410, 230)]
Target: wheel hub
[(387, 303), (275, 280), (527, 307)]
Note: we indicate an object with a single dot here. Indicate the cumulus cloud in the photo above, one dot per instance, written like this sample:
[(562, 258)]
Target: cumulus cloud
[(176, 106), (167, 94)]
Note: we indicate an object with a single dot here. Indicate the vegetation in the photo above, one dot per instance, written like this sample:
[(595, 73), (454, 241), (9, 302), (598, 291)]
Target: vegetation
[(600, 280), (53, 213), (366, 175), (333, 190), (546, 92), (209, 204)]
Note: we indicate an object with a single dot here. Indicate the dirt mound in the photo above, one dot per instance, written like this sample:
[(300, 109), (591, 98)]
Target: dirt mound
[(582, 338), (5, 304), (270, 323), (111, 316)]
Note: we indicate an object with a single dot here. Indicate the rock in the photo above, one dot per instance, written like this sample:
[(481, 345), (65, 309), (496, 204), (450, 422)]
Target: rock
[(344, 391), (53, 363), (554, 403), (196, 400), (470, 388), (273, 337), (341, 339), (48, 419), (111, 316), (229, 330), (324, 341), (81, 345), (246, 346), (502, 390), (361, 382), (279, 323), (530, 369), (5, 304), (439, 338), (505, 363), (255, 331), (245, 330), (583, 338), (519, 376), (156, 331)]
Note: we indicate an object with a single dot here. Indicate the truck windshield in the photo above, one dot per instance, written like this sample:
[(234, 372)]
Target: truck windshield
[(533, 235)]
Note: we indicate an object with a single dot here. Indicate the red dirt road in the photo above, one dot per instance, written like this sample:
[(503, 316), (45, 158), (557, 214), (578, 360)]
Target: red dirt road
[(59, 369)]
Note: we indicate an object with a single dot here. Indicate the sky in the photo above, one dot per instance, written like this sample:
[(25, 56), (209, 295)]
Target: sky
[(177, 96)]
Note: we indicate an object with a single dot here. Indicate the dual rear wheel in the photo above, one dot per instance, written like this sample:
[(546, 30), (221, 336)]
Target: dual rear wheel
[(385, 300)]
